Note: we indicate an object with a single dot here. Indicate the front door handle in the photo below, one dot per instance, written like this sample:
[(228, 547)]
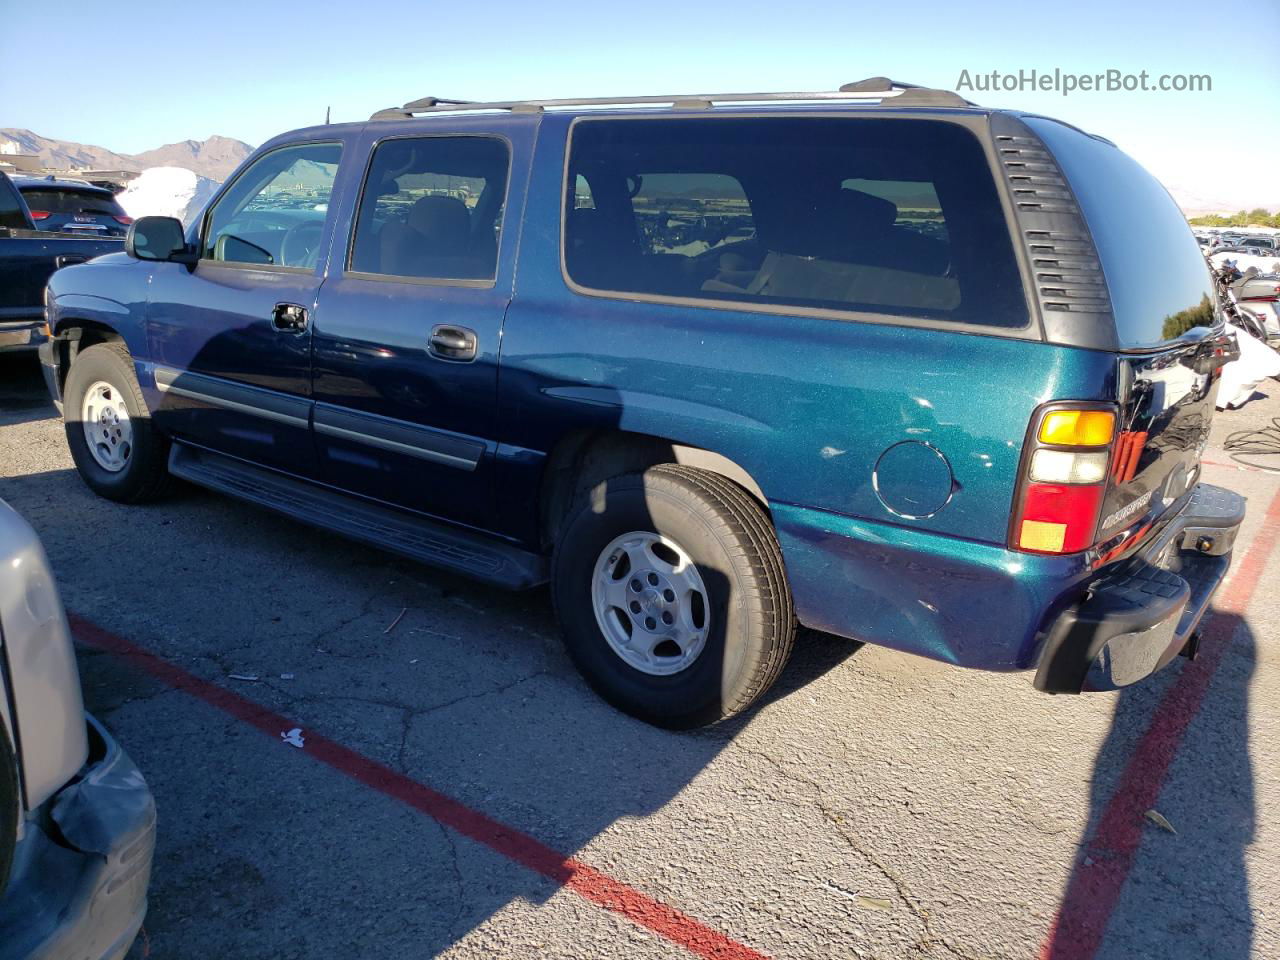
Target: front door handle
[(448, 342), (67, 259), (289, 317)]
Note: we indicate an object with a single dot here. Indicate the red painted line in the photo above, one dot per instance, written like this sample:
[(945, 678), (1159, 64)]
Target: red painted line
[(1231, 466), (1092, 893), (586, 881)]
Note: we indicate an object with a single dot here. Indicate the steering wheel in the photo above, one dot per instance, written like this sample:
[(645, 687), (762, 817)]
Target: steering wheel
[(301, 244)]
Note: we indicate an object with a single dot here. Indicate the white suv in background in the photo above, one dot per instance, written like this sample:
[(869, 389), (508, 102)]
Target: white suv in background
[(77, 820)]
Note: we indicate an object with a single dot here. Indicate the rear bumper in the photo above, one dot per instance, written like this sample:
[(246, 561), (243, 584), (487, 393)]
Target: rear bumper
[(81, 870), (1138, 617)]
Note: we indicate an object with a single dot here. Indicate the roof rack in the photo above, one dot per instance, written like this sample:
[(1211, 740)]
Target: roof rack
[(872, 88)]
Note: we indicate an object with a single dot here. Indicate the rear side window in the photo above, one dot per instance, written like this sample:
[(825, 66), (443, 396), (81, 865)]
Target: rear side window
[(880, 216), (432, 209), (73, 201), (1156, 275)]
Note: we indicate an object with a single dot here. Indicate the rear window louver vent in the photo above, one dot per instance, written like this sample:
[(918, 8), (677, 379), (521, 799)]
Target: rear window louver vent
[(1068, 276), (1066, 269)]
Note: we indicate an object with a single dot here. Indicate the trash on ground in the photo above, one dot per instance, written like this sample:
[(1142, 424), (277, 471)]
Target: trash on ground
[(293, 737), (403, 611), (874, 903), (1241, 377), (286, 676), (248, 677), (1156, 817)]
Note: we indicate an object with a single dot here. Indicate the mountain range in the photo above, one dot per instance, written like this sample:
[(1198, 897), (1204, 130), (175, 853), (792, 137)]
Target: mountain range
[(214, 158)]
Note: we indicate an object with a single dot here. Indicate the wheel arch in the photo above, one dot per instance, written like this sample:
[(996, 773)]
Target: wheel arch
[(583, 459), (73, 334)]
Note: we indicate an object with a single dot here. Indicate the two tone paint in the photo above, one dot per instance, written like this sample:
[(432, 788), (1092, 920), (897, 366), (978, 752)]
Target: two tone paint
[(804, 405)]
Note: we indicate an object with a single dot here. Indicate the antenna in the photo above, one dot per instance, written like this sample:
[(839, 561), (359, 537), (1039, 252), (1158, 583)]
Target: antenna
[(326, 116)]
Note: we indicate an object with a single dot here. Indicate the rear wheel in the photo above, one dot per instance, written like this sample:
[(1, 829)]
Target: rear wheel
[(670, 591), (118, 452)]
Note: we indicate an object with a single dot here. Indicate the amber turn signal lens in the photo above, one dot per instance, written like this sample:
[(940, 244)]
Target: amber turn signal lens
[(1078, 428), (1042, 537)]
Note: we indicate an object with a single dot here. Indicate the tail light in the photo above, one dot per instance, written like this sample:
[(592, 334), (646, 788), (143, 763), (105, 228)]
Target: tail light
[(1275, 295), (125, 220), (1065, 467), (39, 214)]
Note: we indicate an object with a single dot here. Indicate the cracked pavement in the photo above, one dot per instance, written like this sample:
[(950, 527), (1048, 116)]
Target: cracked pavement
[(875, 806)]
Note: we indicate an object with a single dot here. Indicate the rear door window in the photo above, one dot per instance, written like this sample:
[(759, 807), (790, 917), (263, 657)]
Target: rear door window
[(432, 209), (869, 216), (1156, 275)]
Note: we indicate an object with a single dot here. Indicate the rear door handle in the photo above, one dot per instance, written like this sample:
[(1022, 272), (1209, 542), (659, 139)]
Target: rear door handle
[(289, 317), (448, 342)]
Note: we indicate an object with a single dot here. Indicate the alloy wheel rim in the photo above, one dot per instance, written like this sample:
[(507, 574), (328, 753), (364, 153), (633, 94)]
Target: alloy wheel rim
[(650, 603), (108, 431)]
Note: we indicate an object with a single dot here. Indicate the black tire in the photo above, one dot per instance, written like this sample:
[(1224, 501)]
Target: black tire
[(731, 542), (9, 810), (146, 474)]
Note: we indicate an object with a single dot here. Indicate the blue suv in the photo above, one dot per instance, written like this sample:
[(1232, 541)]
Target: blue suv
[(878, 361)]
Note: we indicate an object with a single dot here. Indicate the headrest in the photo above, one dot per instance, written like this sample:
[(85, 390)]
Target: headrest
[(441, 217), (837, 225), (864, 212)]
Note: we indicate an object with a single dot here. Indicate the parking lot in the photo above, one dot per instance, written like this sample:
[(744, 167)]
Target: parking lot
[(460, 792)]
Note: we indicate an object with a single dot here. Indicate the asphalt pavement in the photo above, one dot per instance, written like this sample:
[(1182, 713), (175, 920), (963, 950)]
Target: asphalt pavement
[(459, 792)]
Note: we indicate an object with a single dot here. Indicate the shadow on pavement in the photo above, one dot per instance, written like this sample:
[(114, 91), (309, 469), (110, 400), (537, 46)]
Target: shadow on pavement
[(1183, 896), (492, 719), (23, 397)]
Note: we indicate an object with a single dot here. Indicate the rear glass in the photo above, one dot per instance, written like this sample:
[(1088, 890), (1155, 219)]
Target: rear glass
[(1156, 274), (880, 216), (73, 201)]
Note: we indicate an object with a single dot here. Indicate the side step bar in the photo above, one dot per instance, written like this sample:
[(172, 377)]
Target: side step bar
[(417, 538)]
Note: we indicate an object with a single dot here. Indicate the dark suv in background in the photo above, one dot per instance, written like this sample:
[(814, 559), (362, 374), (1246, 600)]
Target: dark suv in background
[(72, 206), (879, 361)]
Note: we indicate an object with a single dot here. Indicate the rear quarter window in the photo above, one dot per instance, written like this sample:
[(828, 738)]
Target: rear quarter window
[(878, 217), (1156, 276)]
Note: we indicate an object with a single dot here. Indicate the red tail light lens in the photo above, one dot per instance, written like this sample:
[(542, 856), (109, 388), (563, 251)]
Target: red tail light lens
[(1059, 518), (1064, 476), (39, 214), (125, 220)]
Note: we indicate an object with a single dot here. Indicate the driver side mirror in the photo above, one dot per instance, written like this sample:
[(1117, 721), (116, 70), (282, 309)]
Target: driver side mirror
[(159, 239)]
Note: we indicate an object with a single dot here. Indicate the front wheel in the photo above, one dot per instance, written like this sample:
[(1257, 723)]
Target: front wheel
[(671, 594), (117, 451)]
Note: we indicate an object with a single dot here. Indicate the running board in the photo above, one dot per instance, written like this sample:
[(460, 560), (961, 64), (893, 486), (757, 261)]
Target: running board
[(471, 554)]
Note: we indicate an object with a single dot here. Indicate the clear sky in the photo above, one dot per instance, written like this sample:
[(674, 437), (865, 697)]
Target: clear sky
[(156, 73)]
